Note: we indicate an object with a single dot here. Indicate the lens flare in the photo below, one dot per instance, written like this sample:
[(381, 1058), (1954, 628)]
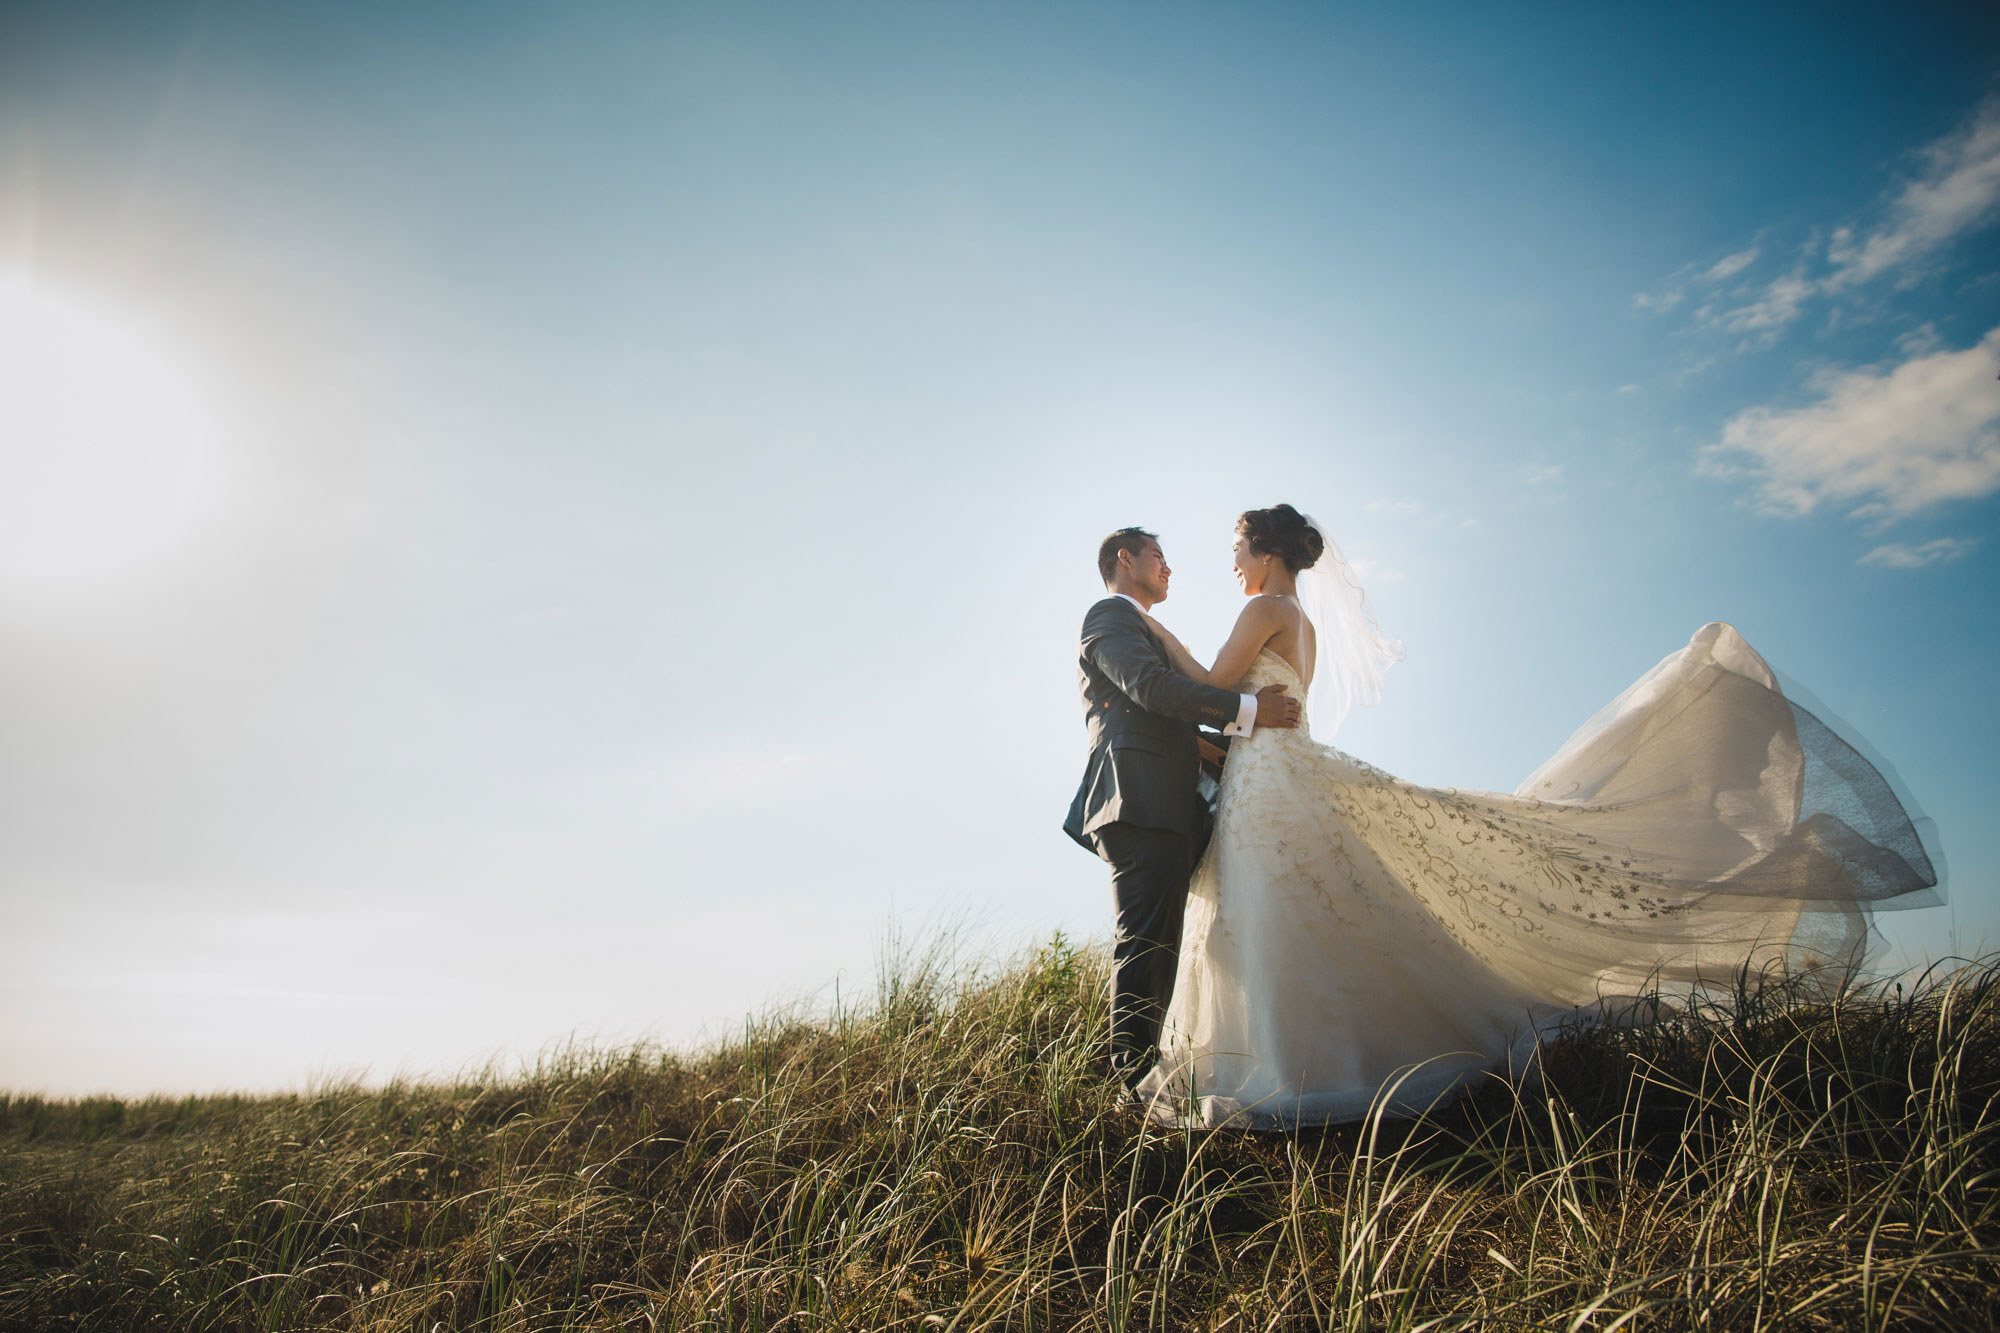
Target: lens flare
[(107, 452)]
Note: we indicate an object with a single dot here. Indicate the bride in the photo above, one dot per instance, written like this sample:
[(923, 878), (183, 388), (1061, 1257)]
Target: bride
[(1350, 936)]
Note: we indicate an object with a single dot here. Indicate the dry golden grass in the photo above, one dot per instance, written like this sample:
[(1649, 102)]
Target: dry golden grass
[(951, 1158)]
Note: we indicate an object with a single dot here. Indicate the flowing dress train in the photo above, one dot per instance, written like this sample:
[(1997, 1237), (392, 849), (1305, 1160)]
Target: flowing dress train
[(1346, 928)]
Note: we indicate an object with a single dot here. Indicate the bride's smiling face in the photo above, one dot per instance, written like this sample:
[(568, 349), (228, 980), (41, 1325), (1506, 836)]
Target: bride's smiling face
[(1251, 569)]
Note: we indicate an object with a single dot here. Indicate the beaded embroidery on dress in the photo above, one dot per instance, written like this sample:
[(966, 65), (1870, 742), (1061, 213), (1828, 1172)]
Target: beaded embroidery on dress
[(1347, 929)]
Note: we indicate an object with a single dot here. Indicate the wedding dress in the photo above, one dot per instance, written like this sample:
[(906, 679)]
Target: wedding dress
[(1347, 929)]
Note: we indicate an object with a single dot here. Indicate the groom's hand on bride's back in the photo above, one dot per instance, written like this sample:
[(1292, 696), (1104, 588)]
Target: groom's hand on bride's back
[(1274, 709)]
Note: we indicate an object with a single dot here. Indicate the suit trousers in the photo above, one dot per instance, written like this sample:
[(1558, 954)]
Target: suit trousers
[(1150, 869)]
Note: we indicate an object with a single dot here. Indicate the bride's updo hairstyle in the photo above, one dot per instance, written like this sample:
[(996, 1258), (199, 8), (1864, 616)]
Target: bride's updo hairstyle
[(1282, 531)]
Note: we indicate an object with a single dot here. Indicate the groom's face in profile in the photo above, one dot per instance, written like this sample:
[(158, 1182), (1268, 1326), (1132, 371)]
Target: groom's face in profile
[(1149, 571)]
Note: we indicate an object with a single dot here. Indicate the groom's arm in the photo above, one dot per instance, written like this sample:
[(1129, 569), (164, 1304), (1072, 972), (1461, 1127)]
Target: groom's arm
[(1115, 642)]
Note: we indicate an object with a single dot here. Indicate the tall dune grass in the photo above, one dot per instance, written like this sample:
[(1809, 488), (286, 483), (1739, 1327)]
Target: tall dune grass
[(951, 1157)]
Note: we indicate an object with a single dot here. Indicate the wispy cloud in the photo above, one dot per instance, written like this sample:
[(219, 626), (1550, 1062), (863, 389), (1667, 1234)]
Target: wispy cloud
[(1770, 309), (1732, 265), (1890, 442), (1701, 283), (1955, 190), (1898, 556)]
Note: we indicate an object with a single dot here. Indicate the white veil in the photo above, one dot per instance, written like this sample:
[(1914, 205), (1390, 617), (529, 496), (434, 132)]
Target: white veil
[(1353, 655)]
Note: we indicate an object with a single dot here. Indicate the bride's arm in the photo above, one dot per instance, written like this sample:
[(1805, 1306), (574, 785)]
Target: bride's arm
[(1115, 643), (1257, 625), (1260, 622), (1183, 661)]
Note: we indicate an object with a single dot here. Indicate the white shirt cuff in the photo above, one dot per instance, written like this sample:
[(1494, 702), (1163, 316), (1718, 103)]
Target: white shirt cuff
[(1246, 717)]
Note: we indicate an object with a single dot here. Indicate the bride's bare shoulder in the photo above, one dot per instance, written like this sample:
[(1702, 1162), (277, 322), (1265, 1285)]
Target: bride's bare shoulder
[(1266, 609)]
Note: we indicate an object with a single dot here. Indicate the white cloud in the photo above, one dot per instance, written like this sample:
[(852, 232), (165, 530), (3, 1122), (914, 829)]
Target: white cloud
[(1920, 341), (1957, 190), (1898, 556), (1732, 265), (1889, 442), (1673, 288), (1778, 305)]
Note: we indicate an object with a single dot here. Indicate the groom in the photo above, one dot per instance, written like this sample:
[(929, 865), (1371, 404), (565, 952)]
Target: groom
[(1138, 806)]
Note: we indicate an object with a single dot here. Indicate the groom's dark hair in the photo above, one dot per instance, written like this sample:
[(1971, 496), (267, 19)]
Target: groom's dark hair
[(1125, 539)]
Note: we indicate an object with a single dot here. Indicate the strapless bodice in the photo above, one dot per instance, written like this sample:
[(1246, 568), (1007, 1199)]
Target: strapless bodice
[(1267, 668)]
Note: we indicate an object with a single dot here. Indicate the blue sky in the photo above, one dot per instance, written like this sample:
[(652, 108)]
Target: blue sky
[(650, 459)]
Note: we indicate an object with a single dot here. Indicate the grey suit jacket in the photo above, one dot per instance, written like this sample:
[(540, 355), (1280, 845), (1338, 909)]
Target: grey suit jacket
[(1141, 717)]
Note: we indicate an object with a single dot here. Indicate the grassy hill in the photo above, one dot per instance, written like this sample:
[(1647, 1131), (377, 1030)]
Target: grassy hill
[(950, 1158)]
